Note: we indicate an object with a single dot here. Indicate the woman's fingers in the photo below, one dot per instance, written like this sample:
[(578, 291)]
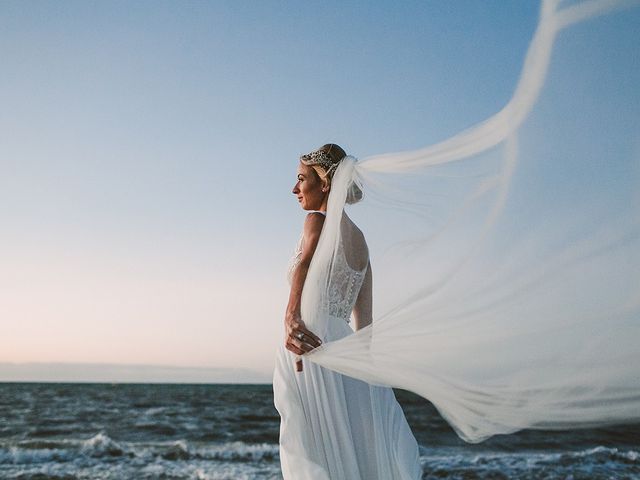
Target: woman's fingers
[(291, 347), (315, 340), (302, 346), (309, 337), (298, 345)]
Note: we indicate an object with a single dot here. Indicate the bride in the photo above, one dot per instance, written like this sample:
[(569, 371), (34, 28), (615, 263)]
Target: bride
[(334, 426), (507, 270)]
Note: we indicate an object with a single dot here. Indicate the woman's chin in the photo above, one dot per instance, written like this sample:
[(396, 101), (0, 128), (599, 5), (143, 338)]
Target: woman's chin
[(308, 208)]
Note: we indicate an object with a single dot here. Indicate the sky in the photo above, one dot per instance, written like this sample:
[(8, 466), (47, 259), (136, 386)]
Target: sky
[(148, 151)]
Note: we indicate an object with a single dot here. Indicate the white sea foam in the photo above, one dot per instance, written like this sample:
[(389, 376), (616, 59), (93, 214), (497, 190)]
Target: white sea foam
[(101, 445), (103, 457), (597, 462)]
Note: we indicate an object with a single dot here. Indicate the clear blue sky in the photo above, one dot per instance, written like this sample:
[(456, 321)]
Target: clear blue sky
[(148, 150)]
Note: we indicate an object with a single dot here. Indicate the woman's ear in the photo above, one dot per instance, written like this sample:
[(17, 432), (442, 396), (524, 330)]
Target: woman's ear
[(325, 185)]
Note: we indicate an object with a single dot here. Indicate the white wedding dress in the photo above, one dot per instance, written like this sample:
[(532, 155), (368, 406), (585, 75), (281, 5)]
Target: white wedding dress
[(334, 426)]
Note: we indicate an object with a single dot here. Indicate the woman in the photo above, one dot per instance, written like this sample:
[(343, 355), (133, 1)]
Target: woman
[(334, 426), (509, 288)]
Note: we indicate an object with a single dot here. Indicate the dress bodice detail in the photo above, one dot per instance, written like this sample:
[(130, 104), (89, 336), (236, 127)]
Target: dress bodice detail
[(345, 282)]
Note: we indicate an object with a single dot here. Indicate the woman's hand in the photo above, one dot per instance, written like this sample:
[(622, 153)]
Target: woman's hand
[(298, 338)]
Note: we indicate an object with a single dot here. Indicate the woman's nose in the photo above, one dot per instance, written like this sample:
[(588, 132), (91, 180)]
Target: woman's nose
[(295, 189)]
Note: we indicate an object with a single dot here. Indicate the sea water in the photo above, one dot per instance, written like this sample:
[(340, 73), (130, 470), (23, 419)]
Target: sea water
[(151, 431)]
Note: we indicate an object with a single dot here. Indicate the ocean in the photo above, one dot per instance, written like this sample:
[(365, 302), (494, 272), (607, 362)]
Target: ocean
[(153, 431)]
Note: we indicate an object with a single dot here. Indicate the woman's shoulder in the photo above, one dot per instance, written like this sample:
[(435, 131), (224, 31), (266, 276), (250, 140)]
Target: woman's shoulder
[(315, 216), (317, 213), (313, 223)]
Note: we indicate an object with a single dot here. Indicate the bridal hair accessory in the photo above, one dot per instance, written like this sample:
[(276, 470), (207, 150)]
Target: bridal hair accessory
[(300, 335), (321, 158)]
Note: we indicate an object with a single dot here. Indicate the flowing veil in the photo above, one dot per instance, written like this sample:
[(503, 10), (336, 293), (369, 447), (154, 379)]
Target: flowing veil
[(506, 259)]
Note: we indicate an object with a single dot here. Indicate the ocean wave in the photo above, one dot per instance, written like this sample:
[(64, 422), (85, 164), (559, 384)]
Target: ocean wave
[(240, 451), (594, 463), (604, 454), (61, 457), (101, 446)]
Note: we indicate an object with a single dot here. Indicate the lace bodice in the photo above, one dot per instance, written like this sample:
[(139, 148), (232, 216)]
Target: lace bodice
[(345, 285)]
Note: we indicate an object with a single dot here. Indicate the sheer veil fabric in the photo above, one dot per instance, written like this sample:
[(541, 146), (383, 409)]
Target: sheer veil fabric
[(506, 259)]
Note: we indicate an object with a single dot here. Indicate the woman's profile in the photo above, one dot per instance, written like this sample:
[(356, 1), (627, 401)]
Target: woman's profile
[(334, 426)]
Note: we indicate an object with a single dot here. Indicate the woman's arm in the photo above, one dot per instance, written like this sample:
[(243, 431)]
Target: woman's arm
[(363, 308), (293, 320)]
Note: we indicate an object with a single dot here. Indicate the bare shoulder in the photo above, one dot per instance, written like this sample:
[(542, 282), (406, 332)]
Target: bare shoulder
[(313, 223), (311, 234)]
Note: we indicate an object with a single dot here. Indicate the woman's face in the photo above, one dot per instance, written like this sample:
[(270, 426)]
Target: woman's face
[(309, 189)]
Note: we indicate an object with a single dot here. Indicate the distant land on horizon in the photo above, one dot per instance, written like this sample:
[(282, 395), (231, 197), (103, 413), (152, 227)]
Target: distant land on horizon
[(120, 373)]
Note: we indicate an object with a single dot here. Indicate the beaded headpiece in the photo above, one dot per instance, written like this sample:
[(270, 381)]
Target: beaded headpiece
[(321, 158)]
